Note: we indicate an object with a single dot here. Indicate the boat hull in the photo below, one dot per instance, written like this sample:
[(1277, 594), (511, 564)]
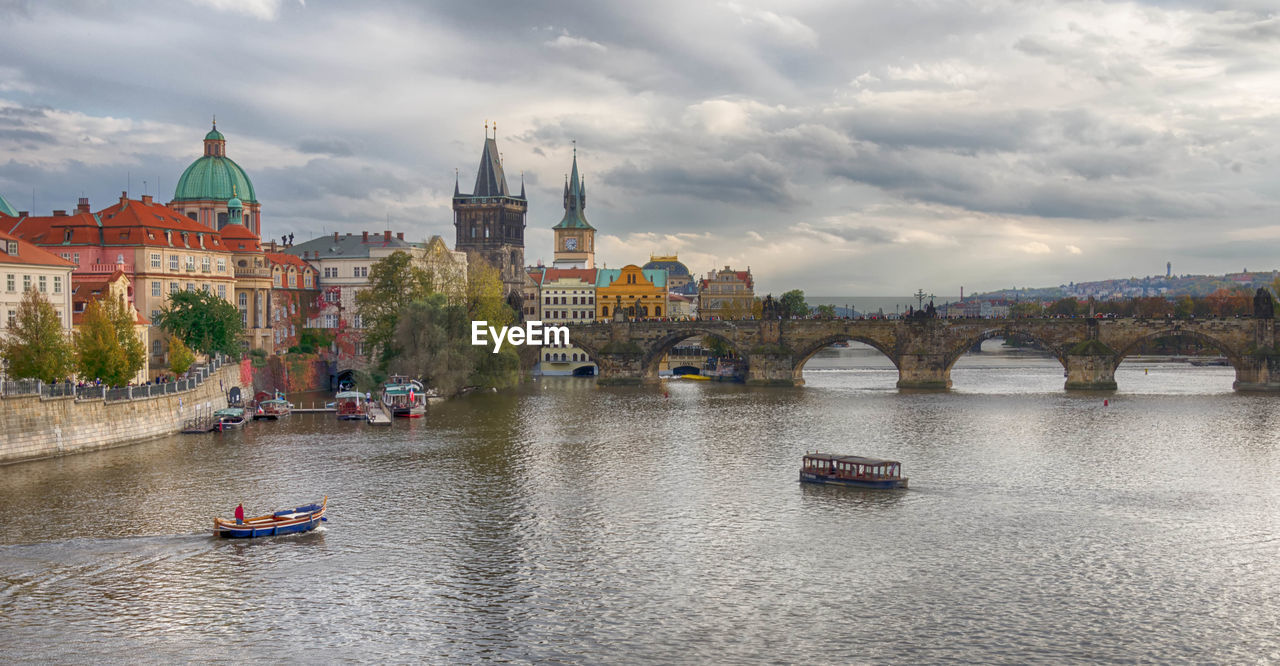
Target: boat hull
[(273, 525), (878, 484)]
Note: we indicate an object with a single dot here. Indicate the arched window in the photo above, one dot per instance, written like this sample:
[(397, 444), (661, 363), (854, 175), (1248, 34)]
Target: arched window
[(604, 311), (243, 299), (657, 310)]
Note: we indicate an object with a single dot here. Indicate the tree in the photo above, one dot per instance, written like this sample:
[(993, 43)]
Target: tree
[(107, 347), (37, 347), (1184, 307), (205, 323), (792, 304), (180, 356), (825, 311), (1026, 309), (485, 301), (1065, 306), (394, 282)]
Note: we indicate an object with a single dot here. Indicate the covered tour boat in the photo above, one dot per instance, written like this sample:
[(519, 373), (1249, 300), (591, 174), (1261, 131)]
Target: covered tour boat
[(228, 418), (854, 471), (288, 521), (270, 408), (350, 405), (404, 397)]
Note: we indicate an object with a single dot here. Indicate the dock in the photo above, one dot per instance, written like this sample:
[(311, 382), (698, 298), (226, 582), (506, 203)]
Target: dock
[(378, 415), (315, 408)]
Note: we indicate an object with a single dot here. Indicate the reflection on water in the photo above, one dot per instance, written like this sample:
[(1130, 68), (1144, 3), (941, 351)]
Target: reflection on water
[(570, 522)]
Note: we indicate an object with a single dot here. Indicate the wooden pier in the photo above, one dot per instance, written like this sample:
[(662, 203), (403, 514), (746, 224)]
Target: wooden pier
[(378, 415)]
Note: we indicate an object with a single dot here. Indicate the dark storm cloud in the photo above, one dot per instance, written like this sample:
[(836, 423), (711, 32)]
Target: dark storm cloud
[(1059, 118)]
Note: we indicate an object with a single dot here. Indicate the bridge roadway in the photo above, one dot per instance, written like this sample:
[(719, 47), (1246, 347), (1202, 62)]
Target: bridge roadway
[(924, 350)]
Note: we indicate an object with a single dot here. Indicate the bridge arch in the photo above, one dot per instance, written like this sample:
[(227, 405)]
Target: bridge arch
[(802, 356), (1004, 331), (1233, 355), (654, 351)]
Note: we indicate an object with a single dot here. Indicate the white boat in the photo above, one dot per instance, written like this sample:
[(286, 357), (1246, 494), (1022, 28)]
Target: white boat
[(404, 397)]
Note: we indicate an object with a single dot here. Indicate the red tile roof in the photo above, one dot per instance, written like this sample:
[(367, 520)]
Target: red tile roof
[(126, 223), (29, 254), (283, 258), (587, 275)]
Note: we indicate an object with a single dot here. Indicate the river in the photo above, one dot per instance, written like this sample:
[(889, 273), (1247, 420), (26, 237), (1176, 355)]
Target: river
[(664, 524)]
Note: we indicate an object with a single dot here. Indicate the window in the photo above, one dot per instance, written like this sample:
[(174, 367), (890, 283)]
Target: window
[(243, 299), (205, 287), (355, 322), (293, 280), (75, 258), (155, 260), (222, 291), (155, 287), (57, 284), (173, 287), (306, 280), (173, 261), (9, 282), (205, 263), (155, 347), (191, 286), (13, 315), (155, 314), (222, 265), (191, 263), (44, 287), (13, 248), (276, 278), (332, 296), (244, 318), (331, 321)]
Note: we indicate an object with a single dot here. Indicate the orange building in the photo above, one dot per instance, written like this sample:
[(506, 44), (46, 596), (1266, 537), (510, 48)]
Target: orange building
[(640, 293)]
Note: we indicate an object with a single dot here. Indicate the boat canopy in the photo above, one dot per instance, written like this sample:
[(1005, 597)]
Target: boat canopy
[(350, 395), (229, 411), (852, 460)]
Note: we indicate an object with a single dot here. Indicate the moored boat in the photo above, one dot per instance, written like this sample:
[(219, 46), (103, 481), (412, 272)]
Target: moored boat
[(350, 405), (854, 471), (288, 521), (404, 397), (701, 378), (228, 418), (272, 409)]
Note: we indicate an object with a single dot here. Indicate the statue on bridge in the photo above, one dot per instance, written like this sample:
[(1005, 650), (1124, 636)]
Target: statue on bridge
[(1263, 306), (769, 309)]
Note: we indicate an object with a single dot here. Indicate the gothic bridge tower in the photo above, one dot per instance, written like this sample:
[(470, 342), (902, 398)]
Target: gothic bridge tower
[(490, 221)]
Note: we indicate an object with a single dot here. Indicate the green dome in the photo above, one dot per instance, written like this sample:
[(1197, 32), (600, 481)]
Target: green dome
[(214, 135), (213, 179)]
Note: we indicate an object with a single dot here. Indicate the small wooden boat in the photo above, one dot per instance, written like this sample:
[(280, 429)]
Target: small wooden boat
[(229, 418), (854, 471), (288, 521), (350, 405)]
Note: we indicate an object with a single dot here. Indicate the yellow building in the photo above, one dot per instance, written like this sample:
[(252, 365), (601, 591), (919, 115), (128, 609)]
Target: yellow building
[(640, 293)]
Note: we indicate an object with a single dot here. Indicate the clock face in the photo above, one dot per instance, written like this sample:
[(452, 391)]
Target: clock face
[(571, 243)]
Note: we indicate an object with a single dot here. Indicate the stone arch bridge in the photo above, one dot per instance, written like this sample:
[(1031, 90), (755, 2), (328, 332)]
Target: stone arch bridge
[(924, 350)]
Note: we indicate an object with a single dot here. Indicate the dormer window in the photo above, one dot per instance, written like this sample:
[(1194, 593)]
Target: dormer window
[(13, 248), (66, 236), (168, 237)]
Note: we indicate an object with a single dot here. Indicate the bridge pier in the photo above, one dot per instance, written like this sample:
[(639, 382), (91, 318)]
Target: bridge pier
[(1257, 373), (1091, 372), (924, 371), (621, 369), (765, 369)]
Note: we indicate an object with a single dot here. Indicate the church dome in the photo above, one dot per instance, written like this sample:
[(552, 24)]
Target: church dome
[(214, 177), (673, 267)]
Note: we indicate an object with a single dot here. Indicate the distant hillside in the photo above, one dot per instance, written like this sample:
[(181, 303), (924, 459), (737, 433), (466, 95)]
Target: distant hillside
[(1169, 287)]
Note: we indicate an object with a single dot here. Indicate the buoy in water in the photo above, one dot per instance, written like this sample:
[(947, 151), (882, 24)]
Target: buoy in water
[(1105, 403)]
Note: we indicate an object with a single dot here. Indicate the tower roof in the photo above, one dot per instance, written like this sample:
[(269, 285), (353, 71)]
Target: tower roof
[(490, 181), (575, 201), (6, 208)]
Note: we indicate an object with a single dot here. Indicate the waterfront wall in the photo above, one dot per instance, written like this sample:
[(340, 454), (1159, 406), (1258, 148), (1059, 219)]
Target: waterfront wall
[(33, 427)]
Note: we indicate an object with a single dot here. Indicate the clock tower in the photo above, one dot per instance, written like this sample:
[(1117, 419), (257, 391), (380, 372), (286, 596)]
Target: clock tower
[(575, 238)]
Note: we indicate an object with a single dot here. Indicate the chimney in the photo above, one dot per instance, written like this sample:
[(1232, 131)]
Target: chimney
[(124, 198), (366, 237), (83, 206), (386, 235), (22, 213), (400, 235), (335, 237), (146, 199), (59, 213)]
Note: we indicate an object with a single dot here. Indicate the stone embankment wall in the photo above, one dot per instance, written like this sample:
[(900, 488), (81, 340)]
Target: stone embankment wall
[(32, 427)]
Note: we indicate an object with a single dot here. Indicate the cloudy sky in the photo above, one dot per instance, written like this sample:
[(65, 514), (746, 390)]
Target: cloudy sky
[(838, 146)]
